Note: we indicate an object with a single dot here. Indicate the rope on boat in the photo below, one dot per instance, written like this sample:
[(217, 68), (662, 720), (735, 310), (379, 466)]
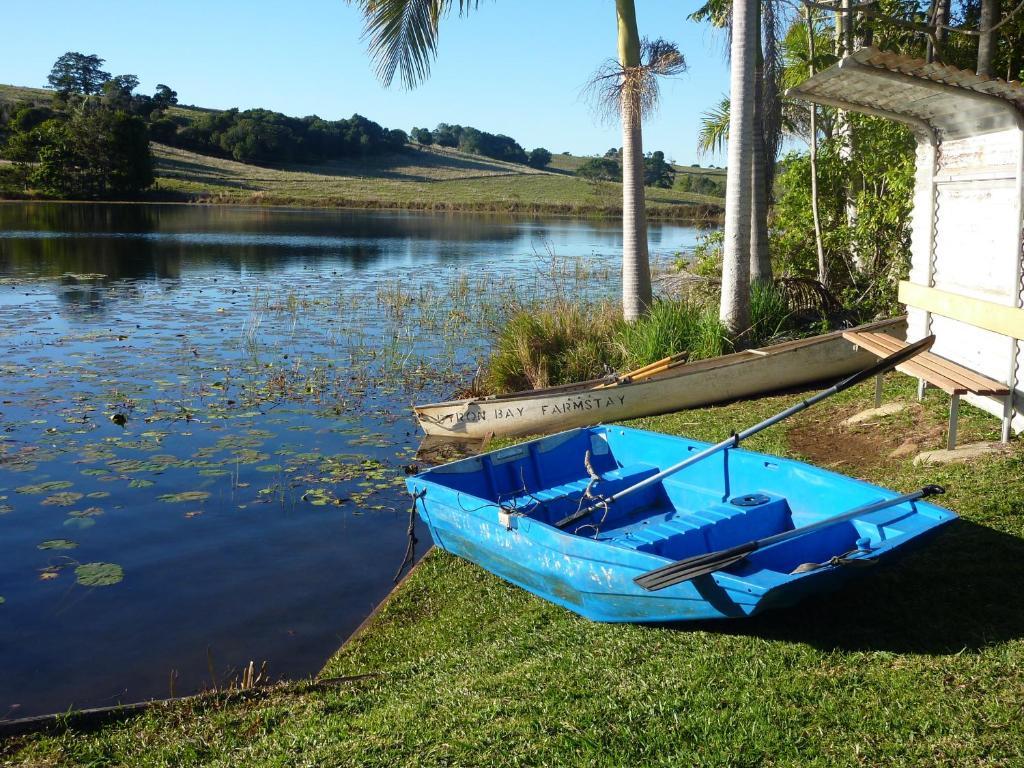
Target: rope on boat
[(598, 499), (838, 560), (410, 549)]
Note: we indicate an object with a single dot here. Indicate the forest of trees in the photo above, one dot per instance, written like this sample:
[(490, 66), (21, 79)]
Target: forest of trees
[(92, 140), (469, 139), (263, 136)]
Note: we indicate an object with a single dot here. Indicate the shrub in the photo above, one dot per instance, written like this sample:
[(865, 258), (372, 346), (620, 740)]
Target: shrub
[(671, 327), (569, 342), (600, 169), (539, 158), (770, 315), (541, 347)]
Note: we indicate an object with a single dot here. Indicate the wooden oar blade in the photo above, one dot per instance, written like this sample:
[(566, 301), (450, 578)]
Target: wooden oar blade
[(692, 567)]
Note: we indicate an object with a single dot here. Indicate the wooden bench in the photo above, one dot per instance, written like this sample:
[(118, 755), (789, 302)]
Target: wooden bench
[(928, 367)]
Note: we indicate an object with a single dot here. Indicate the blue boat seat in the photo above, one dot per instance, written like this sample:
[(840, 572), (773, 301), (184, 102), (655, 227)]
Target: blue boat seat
[(678, 534), (553, 503)]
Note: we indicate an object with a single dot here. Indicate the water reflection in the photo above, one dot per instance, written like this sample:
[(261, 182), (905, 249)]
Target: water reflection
[(264, 361)]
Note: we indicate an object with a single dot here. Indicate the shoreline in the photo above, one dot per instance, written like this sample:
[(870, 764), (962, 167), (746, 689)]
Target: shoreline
[(691, 213), (453, 649)]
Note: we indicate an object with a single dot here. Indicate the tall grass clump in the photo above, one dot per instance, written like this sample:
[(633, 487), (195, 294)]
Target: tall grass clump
[(562, 342), (770, 314), (671, 327)]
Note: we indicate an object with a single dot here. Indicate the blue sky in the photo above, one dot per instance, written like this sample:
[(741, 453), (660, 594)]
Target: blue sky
[(514, 66)]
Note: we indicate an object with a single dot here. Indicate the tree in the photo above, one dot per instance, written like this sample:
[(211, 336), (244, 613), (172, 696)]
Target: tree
[(538, 158), (767, 121), (658, 173), (403, 39), (96, 153), (117, 92), (600, 169), (77, 73), (422, 136), (987, 38), (164, 97), (734, 310)]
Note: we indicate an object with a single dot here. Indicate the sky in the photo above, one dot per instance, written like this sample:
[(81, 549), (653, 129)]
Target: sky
[(513, 66)]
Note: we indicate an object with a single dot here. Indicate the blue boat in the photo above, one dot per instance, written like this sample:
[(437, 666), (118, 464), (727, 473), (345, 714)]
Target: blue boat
[(536, 514)]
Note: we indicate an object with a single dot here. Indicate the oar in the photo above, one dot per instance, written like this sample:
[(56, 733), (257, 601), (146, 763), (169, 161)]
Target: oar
[(883, 365), (701, 565), (646, 370)]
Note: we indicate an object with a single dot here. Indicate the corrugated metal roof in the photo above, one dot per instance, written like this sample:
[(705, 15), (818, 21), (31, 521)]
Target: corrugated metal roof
[(956, 102)]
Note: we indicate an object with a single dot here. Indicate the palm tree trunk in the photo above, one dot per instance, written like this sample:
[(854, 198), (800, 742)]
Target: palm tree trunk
[(819, 247), (937, 45), (987, 40), (636, 269), (734, 311), (760, 261)]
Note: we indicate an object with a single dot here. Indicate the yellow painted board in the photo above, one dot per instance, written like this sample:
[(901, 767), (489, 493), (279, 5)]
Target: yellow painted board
[(998, 318)]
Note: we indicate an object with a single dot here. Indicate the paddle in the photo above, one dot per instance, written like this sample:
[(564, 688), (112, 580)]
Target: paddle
[(645, 371), (701, 565), (883, 365)]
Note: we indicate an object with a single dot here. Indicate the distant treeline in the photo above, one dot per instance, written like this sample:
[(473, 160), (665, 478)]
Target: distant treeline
[(262, 136), (657, 173), (91, 142), (469, 139)]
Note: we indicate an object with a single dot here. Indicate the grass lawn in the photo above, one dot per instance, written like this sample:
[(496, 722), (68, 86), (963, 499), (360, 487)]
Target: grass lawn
[(434, 178), (429, 179), (920, 663)]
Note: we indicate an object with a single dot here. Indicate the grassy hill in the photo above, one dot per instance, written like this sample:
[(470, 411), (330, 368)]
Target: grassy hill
[(432, 178), (428, 179)]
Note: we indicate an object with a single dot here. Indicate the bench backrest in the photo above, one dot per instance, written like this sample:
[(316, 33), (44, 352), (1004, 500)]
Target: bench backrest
[(998, 318)]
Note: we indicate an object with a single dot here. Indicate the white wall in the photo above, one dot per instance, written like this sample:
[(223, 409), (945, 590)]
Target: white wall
[(977, 248)]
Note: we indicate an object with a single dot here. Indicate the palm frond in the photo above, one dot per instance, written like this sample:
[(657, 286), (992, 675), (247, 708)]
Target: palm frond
[(714, 128), (614, 86), (403, 35)]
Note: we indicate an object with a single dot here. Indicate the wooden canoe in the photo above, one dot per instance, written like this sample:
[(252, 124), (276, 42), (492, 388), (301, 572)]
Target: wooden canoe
[(719, 379)]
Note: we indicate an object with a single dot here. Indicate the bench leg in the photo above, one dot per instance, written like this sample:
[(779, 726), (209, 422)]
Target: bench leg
[(1007, 418), (878, 390), (922, 385), (954, 416)]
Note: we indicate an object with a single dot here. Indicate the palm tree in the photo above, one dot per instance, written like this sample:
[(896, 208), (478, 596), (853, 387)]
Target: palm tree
[(403, 39), (766, 120), (734, 310)]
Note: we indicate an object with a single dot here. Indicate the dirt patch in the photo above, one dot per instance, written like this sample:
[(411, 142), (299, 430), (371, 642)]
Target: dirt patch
[(827, 443)]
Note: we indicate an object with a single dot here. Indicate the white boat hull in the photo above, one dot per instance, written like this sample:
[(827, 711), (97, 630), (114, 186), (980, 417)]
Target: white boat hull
[(696, 384)]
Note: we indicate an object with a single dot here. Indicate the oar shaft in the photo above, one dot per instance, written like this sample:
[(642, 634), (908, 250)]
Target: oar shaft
[(700, 565), (731, 442), (778, 538)]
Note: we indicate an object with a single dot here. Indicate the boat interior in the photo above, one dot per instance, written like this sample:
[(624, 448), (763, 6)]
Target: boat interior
[(726, 499)]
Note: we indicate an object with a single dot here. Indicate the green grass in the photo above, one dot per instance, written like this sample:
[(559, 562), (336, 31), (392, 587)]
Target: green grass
[(12, 94), (429, 179), (422, 178), (920, 663)]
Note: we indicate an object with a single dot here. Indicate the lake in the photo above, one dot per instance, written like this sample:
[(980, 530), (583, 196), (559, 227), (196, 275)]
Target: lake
[(205, 424)]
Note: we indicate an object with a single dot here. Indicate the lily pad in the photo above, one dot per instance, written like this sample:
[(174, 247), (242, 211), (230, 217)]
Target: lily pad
[(99, 574), (57, 544), (175, 498), (53, 485), (62, 499)]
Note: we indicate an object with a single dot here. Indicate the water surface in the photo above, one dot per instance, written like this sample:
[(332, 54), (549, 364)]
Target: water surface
[(213, 403)]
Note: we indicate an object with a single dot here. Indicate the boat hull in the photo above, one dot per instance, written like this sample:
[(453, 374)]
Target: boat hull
[(697, 384), (594, 575)]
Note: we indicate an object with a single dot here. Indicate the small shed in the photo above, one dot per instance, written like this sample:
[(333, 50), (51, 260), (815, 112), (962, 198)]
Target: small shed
[(965, 281)]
